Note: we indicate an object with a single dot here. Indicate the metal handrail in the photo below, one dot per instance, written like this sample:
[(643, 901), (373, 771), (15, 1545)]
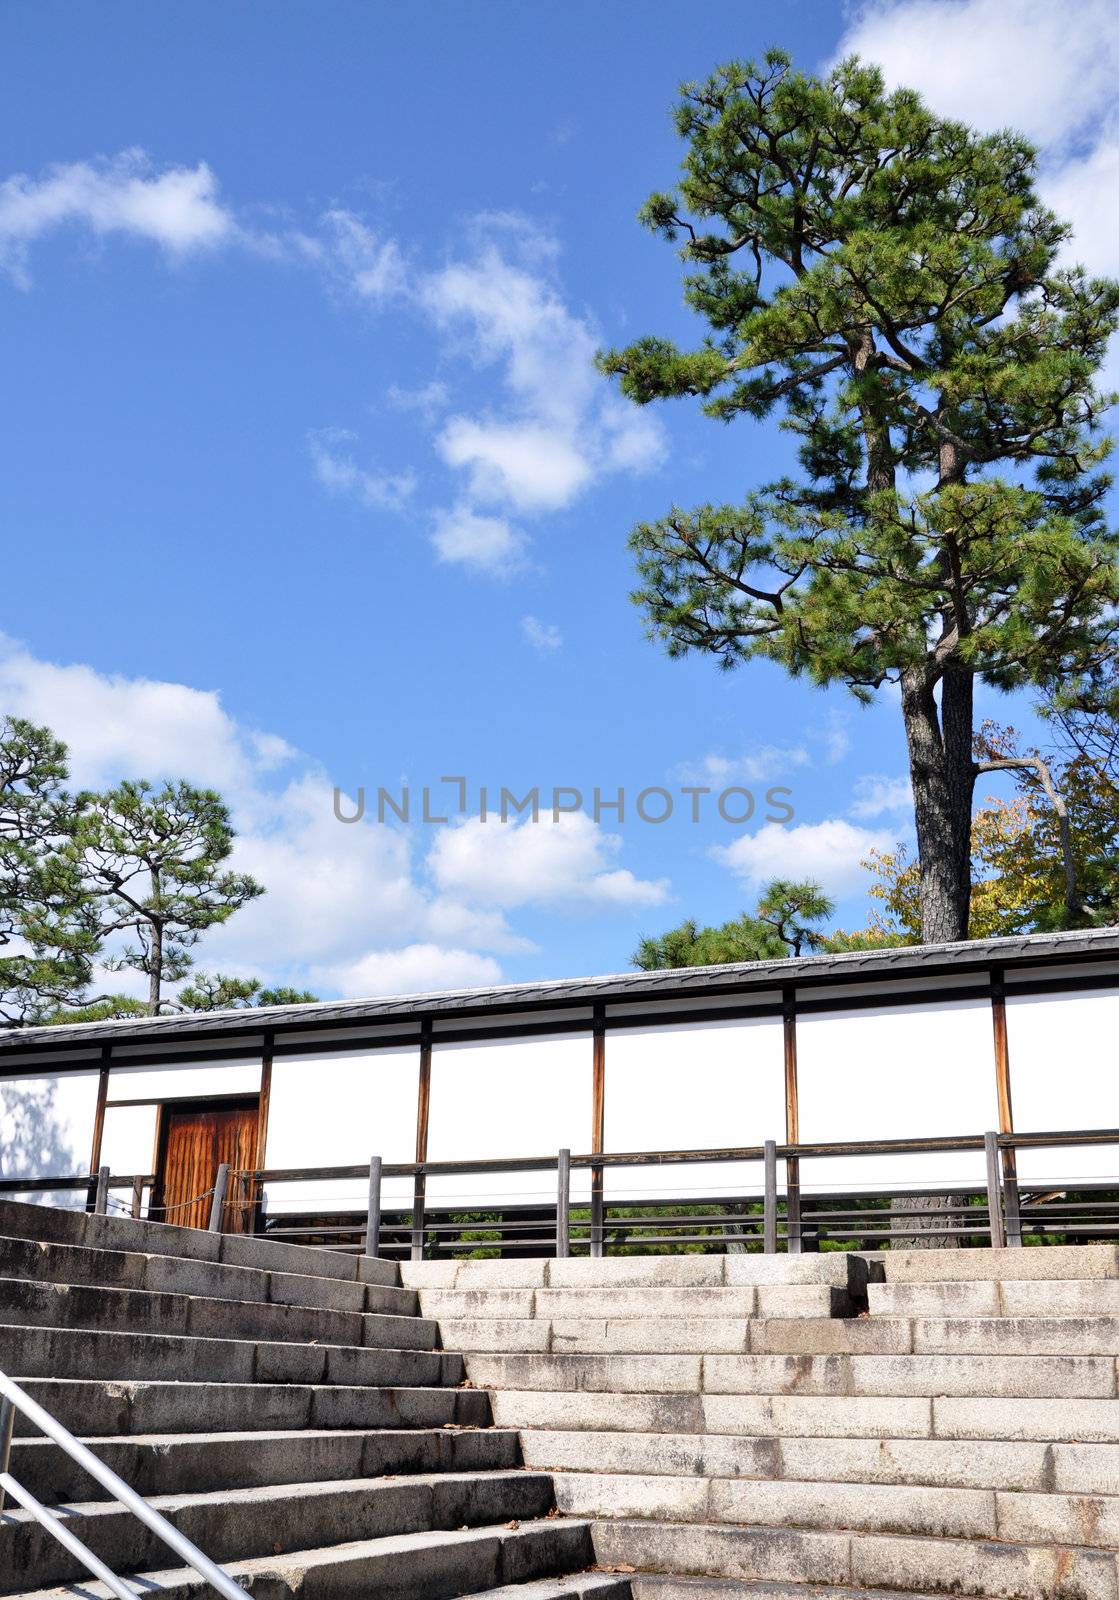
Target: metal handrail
[(13, 1399)]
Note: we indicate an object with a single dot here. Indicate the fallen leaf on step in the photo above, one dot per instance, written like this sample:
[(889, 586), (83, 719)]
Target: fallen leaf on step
[(513, 1524)]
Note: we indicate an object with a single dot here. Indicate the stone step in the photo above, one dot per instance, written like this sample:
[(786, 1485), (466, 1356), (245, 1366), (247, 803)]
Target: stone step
[(35, 1352), (51, 1305), (910, 1563), (237, 1524), (781, 1300), (1085, 1469), (902, 1375), (514, 1563), (1064, 1297), (44, 1262), (836, 1269), (661, 1586), (812, 1416), (190, 1463), (104, 1408), (55, 1226), (925, 1335), (1048, 1263), (919, 1510)]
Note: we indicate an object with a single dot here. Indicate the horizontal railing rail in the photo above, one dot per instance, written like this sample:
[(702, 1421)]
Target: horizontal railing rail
[(762, 1213), (13, 1399)]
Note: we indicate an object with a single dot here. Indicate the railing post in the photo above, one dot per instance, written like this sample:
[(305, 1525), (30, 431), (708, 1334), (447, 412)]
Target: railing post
[(598, 1213), (563, 1204), (419, 1209), (7, 1424), (994, 1194), (373, 1214), (217, 1204), (792, 1205), (101, 1203), (137, 1198), (1011, 1201), (769, 1219)]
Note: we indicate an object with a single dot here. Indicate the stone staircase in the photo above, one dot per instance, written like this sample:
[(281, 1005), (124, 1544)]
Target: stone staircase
[(729, 1428), (286, 1408), (737, 1427)]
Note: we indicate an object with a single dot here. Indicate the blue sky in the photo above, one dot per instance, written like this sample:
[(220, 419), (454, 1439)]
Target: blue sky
[(308, 481)]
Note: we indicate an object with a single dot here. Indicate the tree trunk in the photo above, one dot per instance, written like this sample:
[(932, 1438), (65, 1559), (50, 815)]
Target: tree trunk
[(942, 772), (155, 969)]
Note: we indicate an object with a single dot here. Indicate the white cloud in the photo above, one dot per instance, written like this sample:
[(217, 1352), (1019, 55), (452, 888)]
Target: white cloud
[(487, 544), (877, 795), (828, 853), (176, 208), (357, 259), (416, 969), (764, 762), (544, 637), (526, 465), (337, 471), (426, 398), (357, 907), (1046, 69), (548, 862)]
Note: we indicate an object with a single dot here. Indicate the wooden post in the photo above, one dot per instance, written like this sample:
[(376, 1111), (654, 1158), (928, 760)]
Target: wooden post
[(373, 1214), (994, 1197), (792, 1121), (99, 1109), (563, 1205), (101, 1202), (769, 1220), (137, 1197), (598, 1129), (1006, 1107), (217, 1204), (423, 1117), (254, 1199)]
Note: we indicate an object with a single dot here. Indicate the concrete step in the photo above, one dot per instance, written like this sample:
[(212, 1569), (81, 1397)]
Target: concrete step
[(44, 1262), (661, 1586), (1064, 1297), (51, 1305), (514, 1563), (1085, 1469), (1047, 1264), (927, 1335), (919, 1510), (105, 1408), (780, 1300), (812, 1416), (910, 1563), (903, 1375), (190, 1463), (53, 1225), (35, 1352), (837, 1269), (236, 1524)]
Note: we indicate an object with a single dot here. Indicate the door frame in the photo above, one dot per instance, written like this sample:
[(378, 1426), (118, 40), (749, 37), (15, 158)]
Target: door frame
[(248, 1100)]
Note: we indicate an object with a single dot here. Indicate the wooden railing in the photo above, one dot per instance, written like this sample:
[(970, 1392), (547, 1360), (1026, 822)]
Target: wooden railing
[(772, 1216)]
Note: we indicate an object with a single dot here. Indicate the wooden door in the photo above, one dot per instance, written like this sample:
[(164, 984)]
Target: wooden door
[(195, 1138)]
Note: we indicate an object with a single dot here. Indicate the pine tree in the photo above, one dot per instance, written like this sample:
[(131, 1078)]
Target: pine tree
[(886, 282)]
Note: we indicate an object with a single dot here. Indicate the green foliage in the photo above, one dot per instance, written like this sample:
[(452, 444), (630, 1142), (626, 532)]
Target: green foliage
[(46, 945), (152, 863), (883, 283), (782, 925), (216, 991)]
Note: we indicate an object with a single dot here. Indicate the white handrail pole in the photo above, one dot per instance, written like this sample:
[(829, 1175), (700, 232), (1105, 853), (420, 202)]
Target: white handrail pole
[(108, 1479), (68, 1540)]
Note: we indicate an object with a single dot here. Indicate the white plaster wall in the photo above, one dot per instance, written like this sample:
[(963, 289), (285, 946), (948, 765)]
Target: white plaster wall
[(339, 1109), (692, 1087), (185, 1080), (902, 1072), (128, 1139), (46, 1129), (509, 1097), (1064, 1073)]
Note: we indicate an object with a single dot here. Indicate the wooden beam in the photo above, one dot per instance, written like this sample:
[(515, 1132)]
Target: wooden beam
[(792, 1119), (99, 1108), (598, 1127), (1006, 1106), (423, 1120)]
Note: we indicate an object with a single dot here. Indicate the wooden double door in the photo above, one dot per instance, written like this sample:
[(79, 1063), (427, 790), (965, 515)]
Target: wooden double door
[(195, 1138)]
